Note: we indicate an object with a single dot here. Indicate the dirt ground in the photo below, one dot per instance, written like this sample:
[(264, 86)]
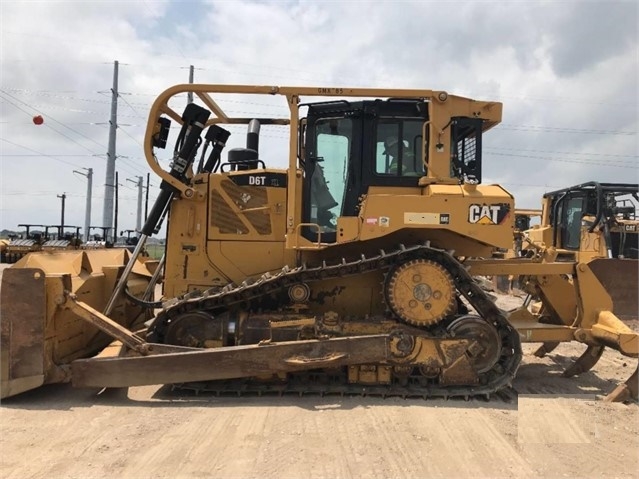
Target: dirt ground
[(546, 426)]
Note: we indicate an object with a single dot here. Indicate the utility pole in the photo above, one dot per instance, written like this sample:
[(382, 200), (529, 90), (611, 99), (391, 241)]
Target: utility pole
[(146, 200), (87, 212), (63, 196), (189, 95), (115, 218), (139, 183), (109, 188)]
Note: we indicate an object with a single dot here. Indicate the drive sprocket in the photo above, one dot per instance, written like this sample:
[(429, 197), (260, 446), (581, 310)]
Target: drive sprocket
[(420, 292)]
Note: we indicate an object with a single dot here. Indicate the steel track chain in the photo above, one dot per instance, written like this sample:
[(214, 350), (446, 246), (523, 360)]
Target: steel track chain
[(316, 384), (216, 300)]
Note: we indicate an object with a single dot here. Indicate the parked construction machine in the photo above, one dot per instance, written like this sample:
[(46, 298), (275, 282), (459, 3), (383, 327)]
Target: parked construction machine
[(350, 271), (65, 238), (595, 223), (592, 222), (27, 242), (128, 239), (96, 240), (523, 222)]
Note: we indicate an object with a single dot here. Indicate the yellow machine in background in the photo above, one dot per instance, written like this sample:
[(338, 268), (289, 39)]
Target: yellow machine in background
[(595, 223), (349, 271), (523, 222), (3, 249)]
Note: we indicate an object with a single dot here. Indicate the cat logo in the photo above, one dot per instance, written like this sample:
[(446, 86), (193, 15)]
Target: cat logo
[(488, 214)]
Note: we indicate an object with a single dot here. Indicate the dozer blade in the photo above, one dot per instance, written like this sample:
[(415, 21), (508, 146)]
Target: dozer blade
[(22, 317), (41, 336), (620, 278)]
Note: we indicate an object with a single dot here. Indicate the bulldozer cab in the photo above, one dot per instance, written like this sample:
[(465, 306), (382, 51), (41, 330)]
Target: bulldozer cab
[(605, 210), (389, 146), (350, 147)]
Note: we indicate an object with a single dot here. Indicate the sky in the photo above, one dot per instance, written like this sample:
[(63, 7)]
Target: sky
[(566, 72)]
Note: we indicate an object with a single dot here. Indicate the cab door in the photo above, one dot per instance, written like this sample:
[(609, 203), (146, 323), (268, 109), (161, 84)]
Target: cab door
[(332, 167)]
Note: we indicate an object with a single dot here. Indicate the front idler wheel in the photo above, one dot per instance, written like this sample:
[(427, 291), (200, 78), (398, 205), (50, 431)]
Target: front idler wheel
[(486, 350)]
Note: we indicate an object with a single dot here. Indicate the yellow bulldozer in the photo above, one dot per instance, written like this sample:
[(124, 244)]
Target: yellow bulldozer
[(594, 223), (349, 271)]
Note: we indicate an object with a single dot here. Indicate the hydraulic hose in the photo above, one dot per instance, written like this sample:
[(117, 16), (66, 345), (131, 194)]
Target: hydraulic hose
[(195, 118)]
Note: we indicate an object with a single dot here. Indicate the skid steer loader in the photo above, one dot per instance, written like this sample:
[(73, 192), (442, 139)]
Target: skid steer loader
[(350, 271)]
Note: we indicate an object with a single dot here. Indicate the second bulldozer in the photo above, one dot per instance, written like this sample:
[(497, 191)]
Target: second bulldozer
[(595, 223)]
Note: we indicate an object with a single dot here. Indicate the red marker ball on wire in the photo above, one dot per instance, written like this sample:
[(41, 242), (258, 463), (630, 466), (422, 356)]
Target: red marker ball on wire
[(38, 120)]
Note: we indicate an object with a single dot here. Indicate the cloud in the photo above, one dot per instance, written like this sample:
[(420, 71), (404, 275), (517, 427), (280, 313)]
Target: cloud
[(586, 33)]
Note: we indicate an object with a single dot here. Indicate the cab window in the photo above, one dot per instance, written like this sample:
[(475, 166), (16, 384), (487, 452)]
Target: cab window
[(329, 178), (398, 148), (572, 223)]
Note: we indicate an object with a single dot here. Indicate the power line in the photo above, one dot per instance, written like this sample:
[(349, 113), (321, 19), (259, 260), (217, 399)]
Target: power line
[(49, 117), (39, 154), (561, 160), (584, 153), (37, 193), (529, 185), (53, 93), (504, 126), (130, 136), (56, 94), (10, 155), (40, 107), (42, 154), (537, 128), (141, 146), (72, 129), (129, 105)]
